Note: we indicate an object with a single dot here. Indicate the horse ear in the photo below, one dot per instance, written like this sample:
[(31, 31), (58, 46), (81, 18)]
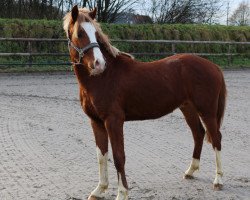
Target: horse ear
[(74, 13), (92, 13)]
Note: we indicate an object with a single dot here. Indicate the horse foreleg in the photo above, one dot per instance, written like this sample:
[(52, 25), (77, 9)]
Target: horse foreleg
[(101, 138), (114, 127)]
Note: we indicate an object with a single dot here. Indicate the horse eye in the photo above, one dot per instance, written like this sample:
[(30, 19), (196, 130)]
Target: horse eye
[(80, 34)]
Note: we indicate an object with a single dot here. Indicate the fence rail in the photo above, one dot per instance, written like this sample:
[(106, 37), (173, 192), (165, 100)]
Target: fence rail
[(130, 41), (173, 44)]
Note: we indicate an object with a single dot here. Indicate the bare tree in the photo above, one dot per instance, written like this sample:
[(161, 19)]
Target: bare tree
[(32, 9), (184, 11), (5, 7), (109, 10), (241, 16)]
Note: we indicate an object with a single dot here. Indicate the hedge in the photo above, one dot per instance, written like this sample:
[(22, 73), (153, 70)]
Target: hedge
[(53, 29)]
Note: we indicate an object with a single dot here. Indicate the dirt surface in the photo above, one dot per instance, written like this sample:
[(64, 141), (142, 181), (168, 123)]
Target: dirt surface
[(47, 148)]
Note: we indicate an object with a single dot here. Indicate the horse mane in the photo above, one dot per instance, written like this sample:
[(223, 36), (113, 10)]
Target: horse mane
[(103, 38)]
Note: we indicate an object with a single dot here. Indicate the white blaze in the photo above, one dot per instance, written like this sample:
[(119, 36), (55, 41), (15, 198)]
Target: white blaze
[(90, 31)]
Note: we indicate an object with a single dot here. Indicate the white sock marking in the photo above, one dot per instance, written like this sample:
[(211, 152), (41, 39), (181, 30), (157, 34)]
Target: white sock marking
[(219, 173), (193, 167), (122, 191), (103, 174)]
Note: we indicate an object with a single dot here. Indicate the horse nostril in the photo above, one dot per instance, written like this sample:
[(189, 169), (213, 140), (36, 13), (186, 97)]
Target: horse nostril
[(97, 63), (91, 65)]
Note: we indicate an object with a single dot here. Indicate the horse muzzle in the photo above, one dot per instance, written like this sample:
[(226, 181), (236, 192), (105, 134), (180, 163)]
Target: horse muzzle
[(97, 67)]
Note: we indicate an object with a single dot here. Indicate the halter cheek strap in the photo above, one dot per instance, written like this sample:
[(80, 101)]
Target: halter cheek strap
[(82, 51)]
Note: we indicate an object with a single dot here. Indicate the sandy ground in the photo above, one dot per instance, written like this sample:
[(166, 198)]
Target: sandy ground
[(47, 149)]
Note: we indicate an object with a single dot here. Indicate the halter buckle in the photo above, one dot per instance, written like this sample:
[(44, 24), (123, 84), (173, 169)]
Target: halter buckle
[(81, 54)]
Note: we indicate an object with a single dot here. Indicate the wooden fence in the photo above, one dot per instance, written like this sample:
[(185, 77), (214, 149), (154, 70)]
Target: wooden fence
[(173, 44)]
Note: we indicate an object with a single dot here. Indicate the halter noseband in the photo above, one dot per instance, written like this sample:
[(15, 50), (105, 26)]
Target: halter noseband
[(81, 51)]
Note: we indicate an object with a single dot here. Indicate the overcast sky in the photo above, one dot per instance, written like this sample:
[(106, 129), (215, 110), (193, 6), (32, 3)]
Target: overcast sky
[(234, 4)]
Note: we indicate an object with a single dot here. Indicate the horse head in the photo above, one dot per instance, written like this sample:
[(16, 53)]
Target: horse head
[(82, 40)]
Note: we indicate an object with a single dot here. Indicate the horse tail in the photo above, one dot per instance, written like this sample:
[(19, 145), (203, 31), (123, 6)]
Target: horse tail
[(220, 109), (221, 103)]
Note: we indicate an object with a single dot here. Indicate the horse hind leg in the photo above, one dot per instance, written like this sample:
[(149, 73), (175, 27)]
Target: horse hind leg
[(198, 132), (215, 135)]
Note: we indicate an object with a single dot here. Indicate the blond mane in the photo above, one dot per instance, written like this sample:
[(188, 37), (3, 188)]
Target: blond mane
[(103, 38)]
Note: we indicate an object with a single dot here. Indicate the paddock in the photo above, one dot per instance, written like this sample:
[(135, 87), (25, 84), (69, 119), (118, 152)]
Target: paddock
[(48, 151)]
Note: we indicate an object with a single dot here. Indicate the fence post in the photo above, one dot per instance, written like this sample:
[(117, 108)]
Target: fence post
[(173, 48), (30, 51), (229, 58)]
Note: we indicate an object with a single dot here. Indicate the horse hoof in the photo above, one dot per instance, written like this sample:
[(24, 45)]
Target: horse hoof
[(218, 187), (91, 197), (186, 176)]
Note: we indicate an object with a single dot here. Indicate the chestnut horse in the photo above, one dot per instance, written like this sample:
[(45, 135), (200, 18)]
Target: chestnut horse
[(115, 88)]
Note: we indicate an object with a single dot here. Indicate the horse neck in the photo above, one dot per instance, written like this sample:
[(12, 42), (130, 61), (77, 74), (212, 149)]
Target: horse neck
[(82, 76), (108, 57)]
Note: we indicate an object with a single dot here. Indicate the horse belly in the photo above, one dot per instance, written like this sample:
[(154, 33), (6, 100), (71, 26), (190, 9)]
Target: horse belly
[(154, 109)]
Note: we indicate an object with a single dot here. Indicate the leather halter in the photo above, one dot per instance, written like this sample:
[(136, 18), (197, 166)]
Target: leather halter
[(82, 51)]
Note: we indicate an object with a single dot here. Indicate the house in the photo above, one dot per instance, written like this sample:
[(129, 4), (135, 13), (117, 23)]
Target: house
[(131, 18)]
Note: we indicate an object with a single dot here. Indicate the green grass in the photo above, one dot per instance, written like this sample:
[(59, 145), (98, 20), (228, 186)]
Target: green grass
[(44, 68), (236, 63), (44, 64)]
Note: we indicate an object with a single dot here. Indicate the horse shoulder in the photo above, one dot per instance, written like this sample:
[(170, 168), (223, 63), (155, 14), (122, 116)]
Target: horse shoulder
[(87, 105)]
